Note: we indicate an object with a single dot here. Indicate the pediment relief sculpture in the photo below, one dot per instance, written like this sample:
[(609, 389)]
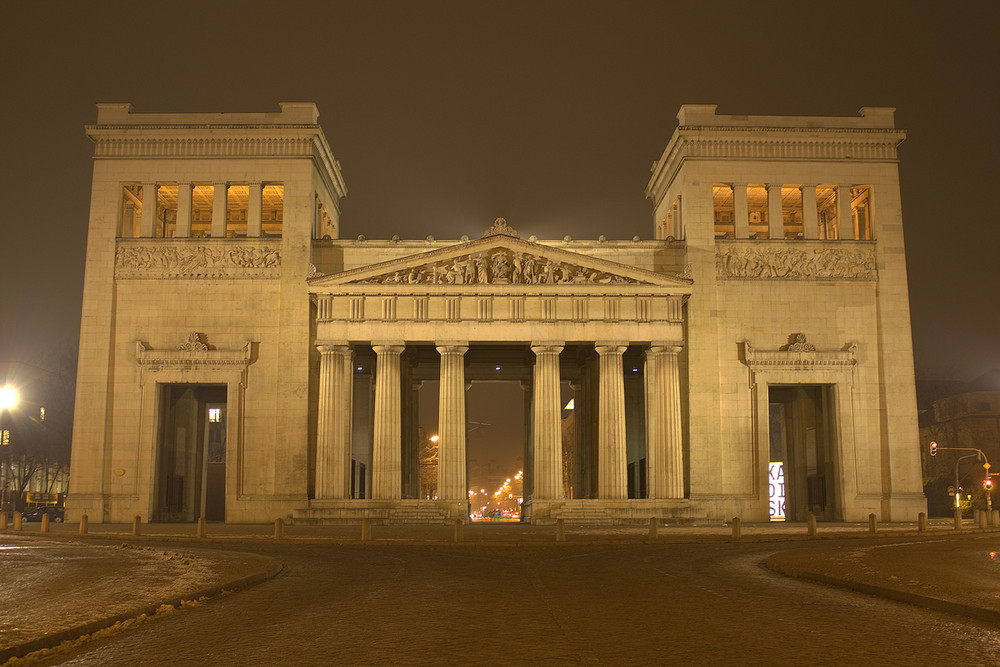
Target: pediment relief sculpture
[(499, 266)]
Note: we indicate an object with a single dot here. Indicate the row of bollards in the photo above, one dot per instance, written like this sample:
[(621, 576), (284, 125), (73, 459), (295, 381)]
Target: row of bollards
[(981, 519)]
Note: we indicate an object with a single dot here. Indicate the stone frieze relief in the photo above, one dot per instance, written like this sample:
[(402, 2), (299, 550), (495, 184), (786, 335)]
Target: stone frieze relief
[(196, 260), (499, 266), (753, 262)]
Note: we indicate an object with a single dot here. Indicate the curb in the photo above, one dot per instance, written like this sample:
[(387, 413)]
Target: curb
[(915, 599), (70, 634)]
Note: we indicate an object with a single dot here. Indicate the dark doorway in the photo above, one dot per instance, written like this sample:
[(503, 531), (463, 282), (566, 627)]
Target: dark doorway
[(191, 460), (802, 473)]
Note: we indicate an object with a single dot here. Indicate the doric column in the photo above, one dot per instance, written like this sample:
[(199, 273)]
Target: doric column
[(220, 202), (547, 423), (451, 423), (741, 215), (527, 481), (183, 228), (810, 221), (333, 427), (612, 461), (845, 221), (254, 206), (663, 423), (387, 438), (775, 222), (147, 224)]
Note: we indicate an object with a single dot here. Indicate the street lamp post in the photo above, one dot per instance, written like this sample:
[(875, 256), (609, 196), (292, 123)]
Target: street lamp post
[(8, 401)]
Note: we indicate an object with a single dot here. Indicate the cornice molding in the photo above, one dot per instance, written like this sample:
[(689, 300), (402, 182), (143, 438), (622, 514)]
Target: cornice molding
[(800, 355)]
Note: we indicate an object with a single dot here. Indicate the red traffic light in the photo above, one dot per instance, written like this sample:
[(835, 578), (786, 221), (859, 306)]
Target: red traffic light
[(933, 448), (988, 484)]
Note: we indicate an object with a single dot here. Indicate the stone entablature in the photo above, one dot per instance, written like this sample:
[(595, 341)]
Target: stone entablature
[(193, 353), (795, 260), (195, 258)]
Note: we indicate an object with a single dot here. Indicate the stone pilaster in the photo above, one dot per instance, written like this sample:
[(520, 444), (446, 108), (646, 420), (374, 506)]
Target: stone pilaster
[(183, 228), (220, 202), (254, 206), (147, 224), (452, 423), (612, 461), (810, 222), (845, 220), (741, 214), (775, 221), (387, 437), (663, 423), (333, 428), (547, 423)]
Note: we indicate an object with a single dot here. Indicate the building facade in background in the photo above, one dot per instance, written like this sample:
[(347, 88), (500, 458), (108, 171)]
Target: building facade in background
[(240, 361)]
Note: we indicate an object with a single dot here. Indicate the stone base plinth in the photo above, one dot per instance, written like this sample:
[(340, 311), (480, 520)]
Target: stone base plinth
[(404, 511)]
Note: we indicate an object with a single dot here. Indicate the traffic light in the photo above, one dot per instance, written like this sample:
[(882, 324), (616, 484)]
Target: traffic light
[(933, 448), (988, 484)]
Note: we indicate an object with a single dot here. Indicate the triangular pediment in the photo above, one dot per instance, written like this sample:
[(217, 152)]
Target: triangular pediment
[(497, 260)]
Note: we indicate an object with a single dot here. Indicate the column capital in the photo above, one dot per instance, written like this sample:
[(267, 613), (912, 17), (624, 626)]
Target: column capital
[(389, 347), (667, 348), (738, 185), (541, 348), (606, 346), (805, 186), (452, 346), (334, 346), (773, 185)]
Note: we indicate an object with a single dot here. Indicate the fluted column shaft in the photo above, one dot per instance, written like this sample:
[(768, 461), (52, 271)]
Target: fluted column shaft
[(387, 480), (810, 220), (220, 202), (666, 450), (612, 460), (741, 215), (254, 209), (845, 217), (333, 428), (547, 423), (451, 423), (147, 224)]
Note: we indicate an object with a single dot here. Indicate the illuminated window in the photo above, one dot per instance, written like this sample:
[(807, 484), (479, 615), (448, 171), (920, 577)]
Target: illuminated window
[(722, 204), (131, 211), (166, 211), (201, 210), (237, 209), (757, 210), (215, 414), (272, 209), (861, 212), (4, 437)]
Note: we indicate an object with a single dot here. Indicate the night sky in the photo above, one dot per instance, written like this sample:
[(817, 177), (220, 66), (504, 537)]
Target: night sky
[(447, 115)]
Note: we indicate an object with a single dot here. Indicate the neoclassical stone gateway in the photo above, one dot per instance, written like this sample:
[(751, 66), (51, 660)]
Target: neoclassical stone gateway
[(240, 361)]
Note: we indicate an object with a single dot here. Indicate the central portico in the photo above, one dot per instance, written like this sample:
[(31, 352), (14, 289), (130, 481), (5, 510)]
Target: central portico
[(558, 316)]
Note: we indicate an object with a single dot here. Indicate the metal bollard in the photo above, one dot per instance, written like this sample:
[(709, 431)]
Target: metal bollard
[(737, 527), (279, 528), (560, 530), (922, 522), (136, 526), (982, 519), (812, 524), (200, 530), (45, 523), (84, 520), (3, 521), (366, 530), (872, 524), (17, 520), (459, 530), (958, 519), (653, 525)]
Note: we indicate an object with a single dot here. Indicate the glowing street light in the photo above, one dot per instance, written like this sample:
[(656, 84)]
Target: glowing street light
[(435, 438), (8, 398)]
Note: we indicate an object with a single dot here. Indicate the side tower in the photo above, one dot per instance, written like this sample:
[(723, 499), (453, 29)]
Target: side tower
[(193, 384), (799, 358)]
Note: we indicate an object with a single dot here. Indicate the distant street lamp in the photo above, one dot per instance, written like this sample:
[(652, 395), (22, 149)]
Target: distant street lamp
[(9, 398)]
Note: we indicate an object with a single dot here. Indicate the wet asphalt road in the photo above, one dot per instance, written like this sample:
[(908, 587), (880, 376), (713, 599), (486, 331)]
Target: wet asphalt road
[(553, 605)]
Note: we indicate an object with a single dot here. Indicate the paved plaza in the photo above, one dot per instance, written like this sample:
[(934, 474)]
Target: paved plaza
[(507, 593)]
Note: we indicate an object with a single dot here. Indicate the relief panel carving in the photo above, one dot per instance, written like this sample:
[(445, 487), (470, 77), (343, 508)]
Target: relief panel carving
[(750, 261), (196, 260)]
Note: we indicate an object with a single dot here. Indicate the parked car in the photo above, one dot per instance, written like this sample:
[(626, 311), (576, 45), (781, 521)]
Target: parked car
[(55, 513)]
